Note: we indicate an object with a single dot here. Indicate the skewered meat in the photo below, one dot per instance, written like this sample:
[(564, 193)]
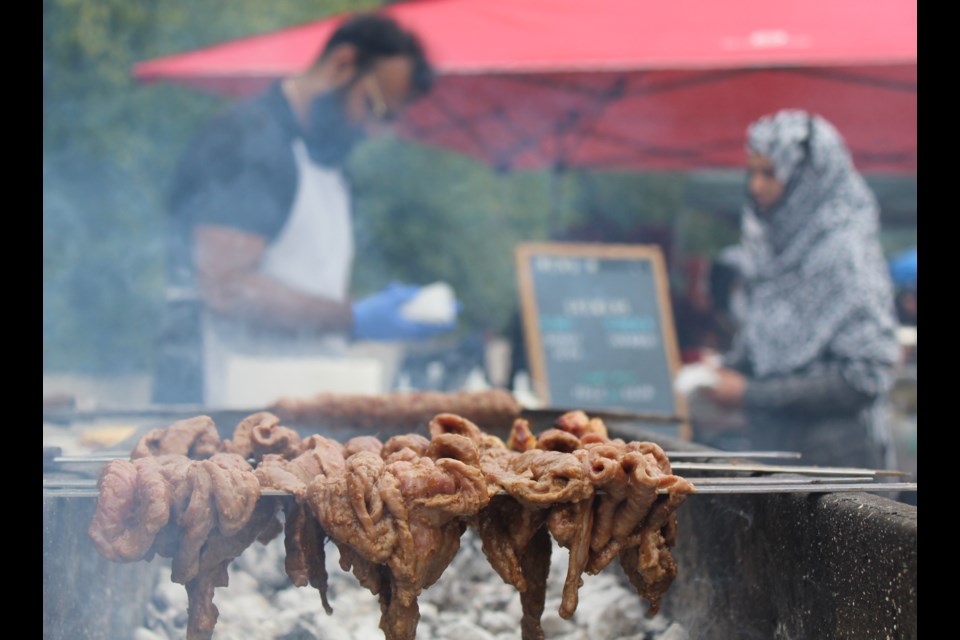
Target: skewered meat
[(260, 434), (350, 507), (134, 505), (602, 500), (362, 443), (542, 478), (521, 438), (401, 411), (305, 562), (580, 424), (200, 513), (216, 494), (406, 447), (396, 510), (216, 555), (558, 440), (318, 456), (402, 515), (195, 438), (516, 543), (571, 525)]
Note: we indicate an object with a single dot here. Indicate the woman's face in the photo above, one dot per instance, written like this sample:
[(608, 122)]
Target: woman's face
[(762, 182)]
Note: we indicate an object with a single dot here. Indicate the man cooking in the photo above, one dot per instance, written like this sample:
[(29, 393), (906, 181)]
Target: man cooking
[(261, 234)]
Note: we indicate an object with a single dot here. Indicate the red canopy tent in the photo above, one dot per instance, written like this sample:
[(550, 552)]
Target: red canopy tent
[(630, 84)]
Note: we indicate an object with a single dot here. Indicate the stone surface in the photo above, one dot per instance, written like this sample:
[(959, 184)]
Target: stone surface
[(841, 565), (675, 632), (497, 621), (462, 630)]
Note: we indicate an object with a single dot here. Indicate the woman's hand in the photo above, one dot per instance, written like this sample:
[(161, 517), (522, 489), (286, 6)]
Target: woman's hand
[(728, 390)]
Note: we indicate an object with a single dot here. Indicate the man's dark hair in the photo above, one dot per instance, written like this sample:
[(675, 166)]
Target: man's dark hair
[(378, 36)]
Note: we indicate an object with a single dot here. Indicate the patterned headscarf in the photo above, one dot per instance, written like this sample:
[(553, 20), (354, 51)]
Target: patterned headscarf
[(816, 274)]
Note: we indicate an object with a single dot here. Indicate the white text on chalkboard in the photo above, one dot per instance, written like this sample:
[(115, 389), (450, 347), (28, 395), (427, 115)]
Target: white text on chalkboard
[(597, 307), (554, 264)]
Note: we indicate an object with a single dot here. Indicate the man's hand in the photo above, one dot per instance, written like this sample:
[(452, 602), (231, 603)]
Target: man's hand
[(228, 269), (379, 317), (728, 390)]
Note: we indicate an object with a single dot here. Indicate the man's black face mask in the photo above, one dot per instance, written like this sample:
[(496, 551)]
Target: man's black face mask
[(330, 134)]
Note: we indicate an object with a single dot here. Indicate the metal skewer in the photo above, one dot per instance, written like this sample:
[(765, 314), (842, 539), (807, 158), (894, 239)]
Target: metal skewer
[(699, 482), (88, 488), (881, 487), (98, 459), (765, 468), (672, 455), (746, 455), (753, 480)]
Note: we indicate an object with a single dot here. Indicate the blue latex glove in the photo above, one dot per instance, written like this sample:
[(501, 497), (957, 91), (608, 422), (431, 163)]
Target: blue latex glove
[(377, 317)]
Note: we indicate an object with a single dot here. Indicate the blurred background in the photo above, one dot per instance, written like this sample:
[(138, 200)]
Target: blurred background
[(422, 213)]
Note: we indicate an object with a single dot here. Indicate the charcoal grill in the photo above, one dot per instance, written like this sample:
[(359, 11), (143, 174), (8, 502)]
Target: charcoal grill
[(784, 565)]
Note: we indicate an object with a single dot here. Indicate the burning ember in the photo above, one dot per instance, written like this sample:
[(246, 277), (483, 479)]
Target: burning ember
[(468, 602)]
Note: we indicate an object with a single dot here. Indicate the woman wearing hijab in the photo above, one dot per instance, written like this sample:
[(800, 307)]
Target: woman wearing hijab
[(815, 356)]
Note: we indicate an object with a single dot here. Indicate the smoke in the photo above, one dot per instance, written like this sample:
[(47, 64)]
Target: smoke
[(101, 266)]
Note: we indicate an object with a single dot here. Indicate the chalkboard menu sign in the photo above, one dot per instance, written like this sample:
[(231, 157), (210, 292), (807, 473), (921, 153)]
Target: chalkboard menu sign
[(598, 327)]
